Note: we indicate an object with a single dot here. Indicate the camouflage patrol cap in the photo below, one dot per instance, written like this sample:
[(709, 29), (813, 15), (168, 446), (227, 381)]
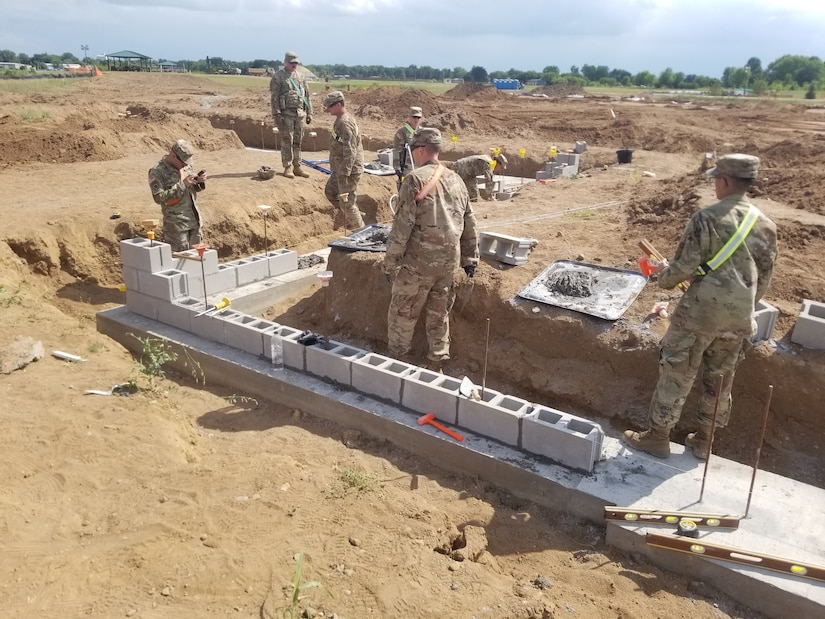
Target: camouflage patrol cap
[(291, 57), (183, 150), (737, 166), (415, 112), (426, 136), (336, 96)]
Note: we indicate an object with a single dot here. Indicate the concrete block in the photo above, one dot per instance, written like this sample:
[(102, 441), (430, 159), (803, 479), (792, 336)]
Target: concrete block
[(180, 313), (213, 326), (580, 146), (564, 438), (248, 271), (495, 415), (380, 376), (145, 255), (809, 330), (164, 285), (224, 279), (142, 304), (188, 261), (544, 175), (282, 261), (245, 332), (569, 170), (333, 362), (505, 248), (571, 159), (130, 278), (428, 392), (281, 346), (385, 156), (765, 316)]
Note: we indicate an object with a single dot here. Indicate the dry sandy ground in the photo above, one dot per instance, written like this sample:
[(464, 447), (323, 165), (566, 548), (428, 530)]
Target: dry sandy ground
[(188, 499)]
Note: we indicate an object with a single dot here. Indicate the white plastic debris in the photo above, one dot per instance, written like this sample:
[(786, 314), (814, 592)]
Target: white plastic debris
[(66, 356)]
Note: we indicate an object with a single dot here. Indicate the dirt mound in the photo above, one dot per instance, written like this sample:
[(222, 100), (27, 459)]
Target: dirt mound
[(393, 103), (559, 90), (471, 90)]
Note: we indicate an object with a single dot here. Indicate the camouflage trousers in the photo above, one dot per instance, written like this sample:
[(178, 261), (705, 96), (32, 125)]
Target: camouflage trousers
[(291, 130), (181, 227), (337, 185), (181, 240), (412, 292), (682, 354)]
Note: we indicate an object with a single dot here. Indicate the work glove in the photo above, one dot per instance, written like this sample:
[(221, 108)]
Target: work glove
[(309, 119), (469, 269)]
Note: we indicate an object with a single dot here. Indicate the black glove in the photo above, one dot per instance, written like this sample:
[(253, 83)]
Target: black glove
[(469, 269), (389, 278), (309, 119)]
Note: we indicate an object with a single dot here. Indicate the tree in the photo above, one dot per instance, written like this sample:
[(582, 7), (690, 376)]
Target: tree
[(6, 55), (644, 79), (551, 69), (478, 75), (755, 66), (574, 70), (811, 92), (666, 78)]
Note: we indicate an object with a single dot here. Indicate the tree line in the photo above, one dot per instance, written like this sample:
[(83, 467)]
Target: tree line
[(788, 72)]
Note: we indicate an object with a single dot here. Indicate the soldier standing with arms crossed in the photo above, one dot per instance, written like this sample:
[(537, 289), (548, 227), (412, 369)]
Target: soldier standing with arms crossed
[(174, 184), (433, 234), (291, 108), (727, 251), (346, 160)]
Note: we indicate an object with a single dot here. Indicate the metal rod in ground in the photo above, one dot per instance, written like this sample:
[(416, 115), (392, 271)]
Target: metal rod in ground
[(203, 275), (486, 348), (712, 432), (326, 315), (759, 448)]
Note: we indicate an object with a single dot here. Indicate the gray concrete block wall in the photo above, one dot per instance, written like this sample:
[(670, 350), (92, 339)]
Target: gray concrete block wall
[(163, 285), (809, 330), (248, 270), (213, 326), (765, 316), (246, 333), (282, 261), (564, 438), (429, 392), (193, 263), (380, 376), (142, 304), (145, 255), (495, 415), (180, 313)]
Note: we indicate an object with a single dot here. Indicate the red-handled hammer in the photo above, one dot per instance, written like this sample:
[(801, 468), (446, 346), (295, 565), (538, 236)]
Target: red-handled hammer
[(430, 419)]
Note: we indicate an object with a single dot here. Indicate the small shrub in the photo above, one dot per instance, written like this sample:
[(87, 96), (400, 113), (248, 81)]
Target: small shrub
[(34, 116)]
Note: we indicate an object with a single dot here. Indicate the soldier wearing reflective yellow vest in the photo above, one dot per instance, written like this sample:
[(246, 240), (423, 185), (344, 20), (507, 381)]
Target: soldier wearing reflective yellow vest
[(401, 158), (727, 252), (174, 184)]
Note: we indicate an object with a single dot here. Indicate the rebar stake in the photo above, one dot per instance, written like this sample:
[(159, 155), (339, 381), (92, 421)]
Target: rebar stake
[(201, 248), (325, 276), (759, 448), (486, 348), (712, 432)]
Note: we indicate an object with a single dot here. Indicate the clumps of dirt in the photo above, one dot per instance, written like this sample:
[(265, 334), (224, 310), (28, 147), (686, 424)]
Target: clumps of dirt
[(665, 206), (393, 102), (471, 90), (794, 173)]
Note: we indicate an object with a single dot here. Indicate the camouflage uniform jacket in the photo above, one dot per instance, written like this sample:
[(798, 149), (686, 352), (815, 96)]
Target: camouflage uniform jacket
[(722, 301), (399, 143), (177, 202), (346, 155), (436, 235), (472, 166), (289, 94)]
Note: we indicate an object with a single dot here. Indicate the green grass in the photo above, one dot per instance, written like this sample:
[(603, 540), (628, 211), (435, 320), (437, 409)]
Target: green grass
[(46, 85), (34, 116)]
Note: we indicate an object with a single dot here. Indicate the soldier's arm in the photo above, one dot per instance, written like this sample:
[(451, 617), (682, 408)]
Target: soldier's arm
[(689, 254), (160, 194), (348, 143), (765, 258), (402, 227), (469, 236), (275, 95)]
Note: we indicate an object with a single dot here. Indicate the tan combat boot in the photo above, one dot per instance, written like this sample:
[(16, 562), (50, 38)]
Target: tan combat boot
[(655, 441), (299, 171), (699, 441), (288, 172)]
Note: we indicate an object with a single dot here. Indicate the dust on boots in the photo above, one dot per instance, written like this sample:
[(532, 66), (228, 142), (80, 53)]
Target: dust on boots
[(699, 442), (654, 441)]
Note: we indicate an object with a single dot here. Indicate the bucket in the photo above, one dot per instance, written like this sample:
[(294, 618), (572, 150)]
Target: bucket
[(625, 155)]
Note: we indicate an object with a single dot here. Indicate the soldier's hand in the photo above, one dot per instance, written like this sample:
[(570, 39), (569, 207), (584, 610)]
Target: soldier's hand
[(190, 180), (469, 269), (309, 119)]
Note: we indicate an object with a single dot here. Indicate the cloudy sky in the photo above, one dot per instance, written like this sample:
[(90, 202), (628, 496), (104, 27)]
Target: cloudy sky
[(692, 36)]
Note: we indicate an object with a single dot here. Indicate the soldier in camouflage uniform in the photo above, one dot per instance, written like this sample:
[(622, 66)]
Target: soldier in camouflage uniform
[(713, 322), (469, 168), (174, 184), (346, 160), (291, 108), (433, 234), (399, 144)]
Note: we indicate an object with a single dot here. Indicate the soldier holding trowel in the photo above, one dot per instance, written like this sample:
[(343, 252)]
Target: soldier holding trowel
[(728, 252)]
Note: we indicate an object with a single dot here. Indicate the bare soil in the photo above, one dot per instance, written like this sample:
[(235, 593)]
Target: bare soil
[(193, 499)]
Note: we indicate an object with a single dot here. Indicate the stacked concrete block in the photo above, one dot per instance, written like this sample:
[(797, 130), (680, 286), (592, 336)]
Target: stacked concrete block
[(385, 156), (505, 248), (566, 164), (213, 326), (246, 333), (564, 438), (281, 347), (580, 147), (428, 392), (145, 255), (282, 261), (809, 330), (765, 316), (248, 270), (181, 312), (141, 304), (495, 415), (165, 285), (219, 277), (332, 360), (380, 376)]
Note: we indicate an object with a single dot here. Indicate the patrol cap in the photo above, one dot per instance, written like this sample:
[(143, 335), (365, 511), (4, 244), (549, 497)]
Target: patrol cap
[(183, 150), (426, 136), (415, 112), (737, 166), (291, 57), (336, 96)]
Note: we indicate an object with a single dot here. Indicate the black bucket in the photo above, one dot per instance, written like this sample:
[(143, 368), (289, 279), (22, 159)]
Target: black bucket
[(625, 155)]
